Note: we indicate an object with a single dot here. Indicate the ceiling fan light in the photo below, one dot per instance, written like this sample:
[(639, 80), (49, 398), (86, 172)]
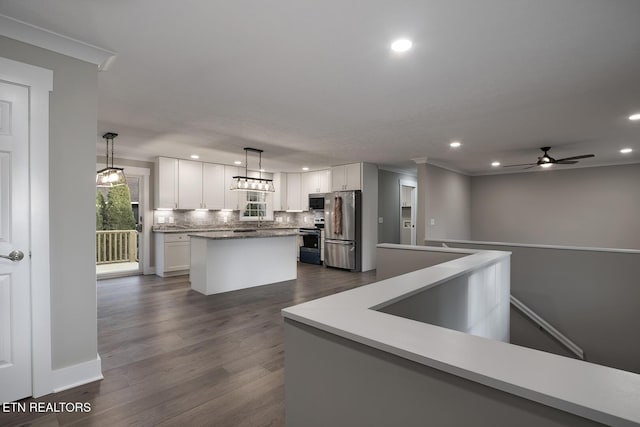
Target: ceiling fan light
[(546, 165)]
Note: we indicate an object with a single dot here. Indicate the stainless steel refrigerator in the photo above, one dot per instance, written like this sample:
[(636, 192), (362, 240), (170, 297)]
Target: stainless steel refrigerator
[(342, 228)]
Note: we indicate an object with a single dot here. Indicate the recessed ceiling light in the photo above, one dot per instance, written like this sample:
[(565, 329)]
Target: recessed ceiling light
[(634, 117), (626, 150), (195, 156), (455, 144), (401, 45), (305, 168), (495, 164), (237, 162)]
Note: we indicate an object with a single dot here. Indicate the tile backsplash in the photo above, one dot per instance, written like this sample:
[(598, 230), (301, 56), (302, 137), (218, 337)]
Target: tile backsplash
[(222, 219)]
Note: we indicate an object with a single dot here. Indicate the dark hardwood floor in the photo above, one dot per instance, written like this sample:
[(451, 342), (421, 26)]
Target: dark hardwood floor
[(171, 356)]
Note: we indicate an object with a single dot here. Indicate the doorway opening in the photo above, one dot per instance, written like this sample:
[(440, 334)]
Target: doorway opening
[(408, 203), (121, 237)]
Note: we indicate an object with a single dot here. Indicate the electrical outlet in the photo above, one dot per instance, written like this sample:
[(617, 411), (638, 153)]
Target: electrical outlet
[(279, 219), (305, 219), (160, 220), (171, 220), (225, 219), (380, 220), (432, 221)]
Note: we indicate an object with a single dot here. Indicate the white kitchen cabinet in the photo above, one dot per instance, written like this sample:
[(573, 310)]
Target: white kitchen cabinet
[(294, 192), (313, 183), (316, 182), (230, 196), (166, 183), (189, 184), (173, 254), (213, 189), (346, 177), (280, 195)]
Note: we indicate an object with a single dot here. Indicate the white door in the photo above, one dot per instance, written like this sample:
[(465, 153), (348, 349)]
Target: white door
[(15, 314)]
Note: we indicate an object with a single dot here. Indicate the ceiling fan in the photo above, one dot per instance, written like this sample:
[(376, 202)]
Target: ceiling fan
[(546, 160)]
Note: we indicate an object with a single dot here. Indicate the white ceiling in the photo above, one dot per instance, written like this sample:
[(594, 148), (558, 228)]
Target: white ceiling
[(314, 83)]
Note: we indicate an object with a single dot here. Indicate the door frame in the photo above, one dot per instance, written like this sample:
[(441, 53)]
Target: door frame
[(39, 82), (145, 211), (414, 194), (147, 216)]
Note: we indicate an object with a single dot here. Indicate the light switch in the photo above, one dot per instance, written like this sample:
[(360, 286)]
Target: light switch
[(170, 220), (160, 220), (380, 220), (432, 221)]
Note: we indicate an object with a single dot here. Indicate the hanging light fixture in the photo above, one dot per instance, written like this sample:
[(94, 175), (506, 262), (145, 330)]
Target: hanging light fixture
[(246, 183), (110, 176)]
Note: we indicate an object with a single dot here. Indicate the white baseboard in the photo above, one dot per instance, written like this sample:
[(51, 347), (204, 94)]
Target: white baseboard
[(76, 375)]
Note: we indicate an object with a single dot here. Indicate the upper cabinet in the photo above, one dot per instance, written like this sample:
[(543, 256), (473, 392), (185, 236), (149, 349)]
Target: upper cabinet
[(280, 195), (294, 192), (316, 182), (346, 177), (213, 189), (166, 183), (231, 199), (189, 184)]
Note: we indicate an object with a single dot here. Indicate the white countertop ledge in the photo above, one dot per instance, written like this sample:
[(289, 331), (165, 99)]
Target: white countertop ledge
[(603, 394)]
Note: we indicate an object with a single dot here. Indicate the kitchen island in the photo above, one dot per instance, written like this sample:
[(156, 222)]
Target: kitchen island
[(223, 261)]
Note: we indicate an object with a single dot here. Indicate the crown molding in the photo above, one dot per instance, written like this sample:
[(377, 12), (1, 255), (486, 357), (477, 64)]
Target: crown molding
[(36, 36)]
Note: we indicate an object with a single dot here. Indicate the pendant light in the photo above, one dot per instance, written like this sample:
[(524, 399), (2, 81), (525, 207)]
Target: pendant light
[(110, 176), (245, 183)]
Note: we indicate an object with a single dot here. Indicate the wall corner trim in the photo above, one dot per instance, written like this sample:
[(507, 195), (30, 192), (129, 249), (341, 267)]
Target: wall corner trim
[(40, 37), (77, 375)]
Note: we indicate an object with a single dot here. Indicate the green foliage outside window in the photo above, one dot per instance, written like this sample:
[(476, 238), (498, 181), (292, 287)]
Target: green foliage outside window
[(115, 213)]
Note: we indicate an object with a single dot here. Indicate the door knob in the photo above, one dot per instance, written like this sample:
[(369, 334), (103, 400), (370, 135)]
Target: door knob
[(14, 256)]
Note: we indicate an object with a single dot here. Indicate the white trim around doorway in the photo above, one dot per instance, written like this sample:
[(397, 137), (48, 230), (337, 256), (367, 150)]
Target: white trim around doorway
[(40, 83)]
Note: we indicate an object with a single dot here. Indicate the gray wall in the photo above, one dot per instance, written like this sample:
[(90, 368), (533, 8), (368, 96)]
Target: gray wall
[(445, 197), (394, 262), (330, 381), (73, 132), (590, 296), (389, 204), (598, 207)]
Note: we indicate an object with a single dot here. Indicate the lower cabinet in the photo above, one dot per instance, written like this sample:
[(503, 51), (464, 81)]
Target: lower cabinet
[(173, 254)]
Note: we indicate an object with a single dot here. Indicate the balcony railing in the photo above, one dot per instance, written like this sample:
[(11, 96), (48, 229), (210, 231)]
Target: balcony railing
[(116, 246)]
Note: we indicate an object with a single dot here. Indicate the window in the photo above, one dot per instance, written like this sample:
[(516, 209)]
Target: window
[(257, 206)]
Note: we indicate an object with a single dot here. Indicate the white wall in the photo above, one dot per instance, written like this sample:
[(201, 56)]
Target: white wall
[(598, 207), (445, 197), (73, 133)]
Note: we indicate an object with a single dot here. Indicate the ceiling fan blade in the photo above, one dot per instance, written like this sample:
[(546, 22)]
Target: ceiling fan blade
[(530, 167), (566, 162), (585, 156), (522, 164)]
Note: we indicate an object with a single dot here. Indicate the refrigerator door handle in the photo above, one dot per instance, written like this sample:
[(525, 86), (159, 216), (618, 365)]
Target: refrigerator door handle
[(340, 242)]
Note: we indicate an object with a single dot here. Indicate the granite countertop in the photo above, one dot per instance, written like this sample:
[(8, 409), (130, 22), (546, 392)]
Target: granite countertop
[(179, 229), (230, 234)]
